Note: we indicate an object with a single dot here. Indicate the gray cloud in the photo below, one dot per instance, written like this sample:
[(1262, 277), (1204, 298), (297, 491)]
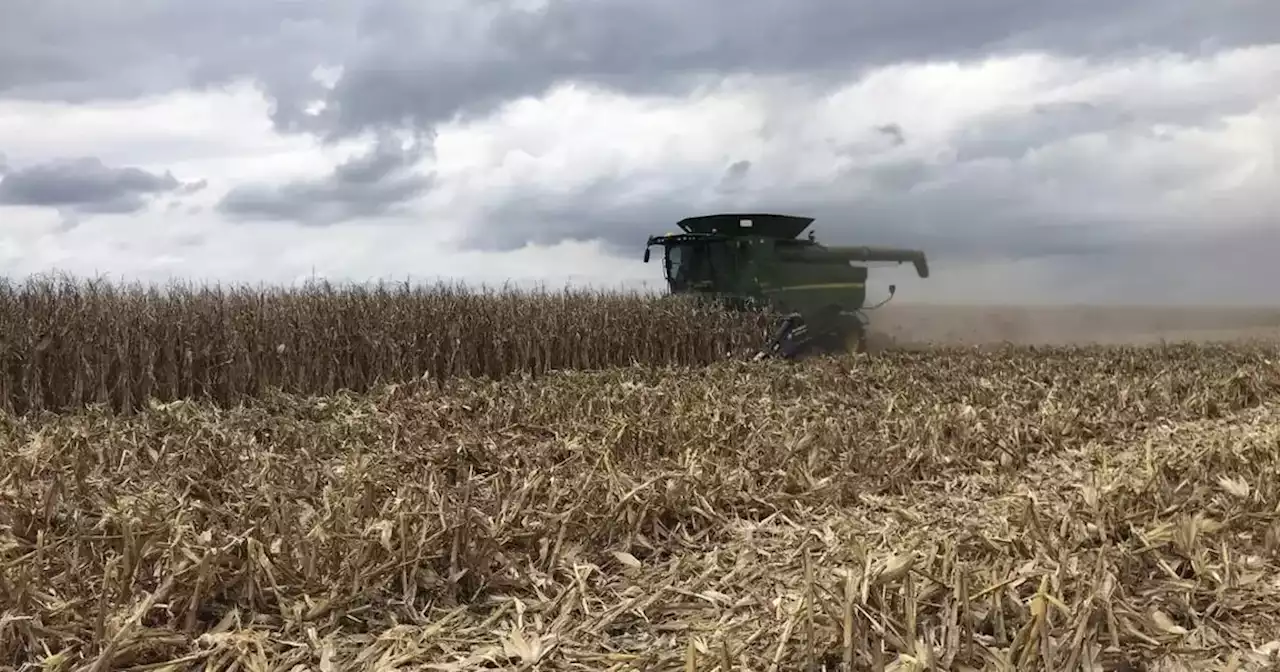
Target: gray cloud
[(1012, 133), (87, 186), (734, 176), (962, 216), (81, 50), (1010, 186), (669, 45), (373, 184), (894, 133), (410, 62), (966, 220)]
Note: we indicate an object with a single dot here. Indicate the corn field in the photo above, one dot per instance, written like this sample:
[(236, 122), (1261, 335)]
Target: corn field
[(1030, 508), (67, 343)]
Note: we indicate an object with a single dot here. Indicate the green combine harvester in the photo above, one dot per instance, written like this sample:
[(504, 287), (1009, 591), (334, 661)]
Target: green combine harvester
[(758, 261)]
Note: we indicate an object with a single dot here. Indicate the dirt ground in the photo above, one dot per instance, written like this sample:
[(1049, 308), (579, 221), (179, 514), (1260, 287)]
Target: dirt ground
[(910, 324)]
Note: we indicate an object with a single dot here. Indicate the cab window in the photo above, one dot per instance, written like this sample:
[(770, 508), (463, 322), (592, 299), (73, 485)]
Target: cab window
[(688, 263)]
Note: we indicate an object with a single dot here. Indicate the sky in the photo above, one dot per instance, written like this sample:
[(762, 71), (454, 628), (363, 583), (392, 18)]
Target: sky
[(1038, 151)]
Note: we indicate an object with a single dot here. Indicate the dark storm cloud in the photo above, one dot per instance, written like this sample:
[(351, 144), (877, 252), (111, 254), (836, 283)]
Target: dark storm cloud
[(83, 50), (87, 186), (371, 184), (412, 62), (666, 45)]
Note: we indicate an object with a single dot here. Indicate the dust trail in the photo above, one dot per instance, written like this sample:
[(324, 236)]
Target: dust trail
[(914, 325)]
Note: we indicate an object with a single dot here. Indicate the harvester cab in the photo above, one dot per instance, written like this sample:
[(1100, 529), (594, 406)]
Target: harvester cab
[(754, 261)]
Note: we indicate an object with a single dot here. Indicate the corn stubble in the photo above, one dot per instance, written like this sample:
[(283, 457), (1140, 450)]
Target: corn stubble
[(947, 509)]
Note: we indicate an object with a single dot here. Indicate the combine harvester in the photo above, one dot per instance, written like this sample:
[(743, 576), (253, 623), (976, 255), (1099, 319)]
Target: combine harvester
[(758, 261)]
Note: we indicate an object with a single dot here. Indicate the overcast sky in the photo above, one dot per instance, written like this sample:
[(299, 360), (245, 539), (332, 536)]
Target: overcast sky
[(1049, 151)]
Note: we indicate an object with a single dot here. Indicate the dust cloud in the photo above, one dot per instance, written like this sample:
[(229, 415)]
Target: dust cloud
[(916, 325)]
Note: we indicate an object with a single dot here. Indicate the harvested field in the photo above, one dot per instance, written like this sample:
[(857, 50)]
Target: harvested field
[(1043, 508)]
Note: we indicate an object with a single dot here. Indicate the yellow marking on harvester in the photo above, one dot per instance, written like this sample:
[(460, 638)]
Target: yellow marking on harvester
[(828, 285)]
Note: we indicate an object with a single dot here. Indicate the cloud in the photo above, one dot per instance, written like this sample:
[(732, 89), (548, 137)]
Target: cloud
[(82, 51), (375, 183), (205, 249), (424, 63), (1022, 157), (403, 61), (87, 186), (1032, 148)]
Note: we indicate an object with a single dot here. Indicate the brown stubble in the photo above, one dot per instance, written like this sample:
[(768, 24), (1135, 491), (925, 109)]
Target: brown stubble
[(1032, 508)]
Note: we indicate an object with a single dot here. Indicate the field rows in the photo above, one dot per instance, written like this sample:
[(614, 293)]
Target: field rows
[(1048, 506)]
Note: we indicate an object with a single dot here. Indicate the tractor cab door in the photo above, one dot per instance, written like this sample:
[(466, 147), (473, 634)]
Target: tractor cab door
[(688, 266), (702, 265)]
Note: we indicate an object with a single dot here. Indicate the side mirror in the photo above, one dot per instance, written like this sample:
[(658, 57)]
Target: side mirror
[(646, 255)]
